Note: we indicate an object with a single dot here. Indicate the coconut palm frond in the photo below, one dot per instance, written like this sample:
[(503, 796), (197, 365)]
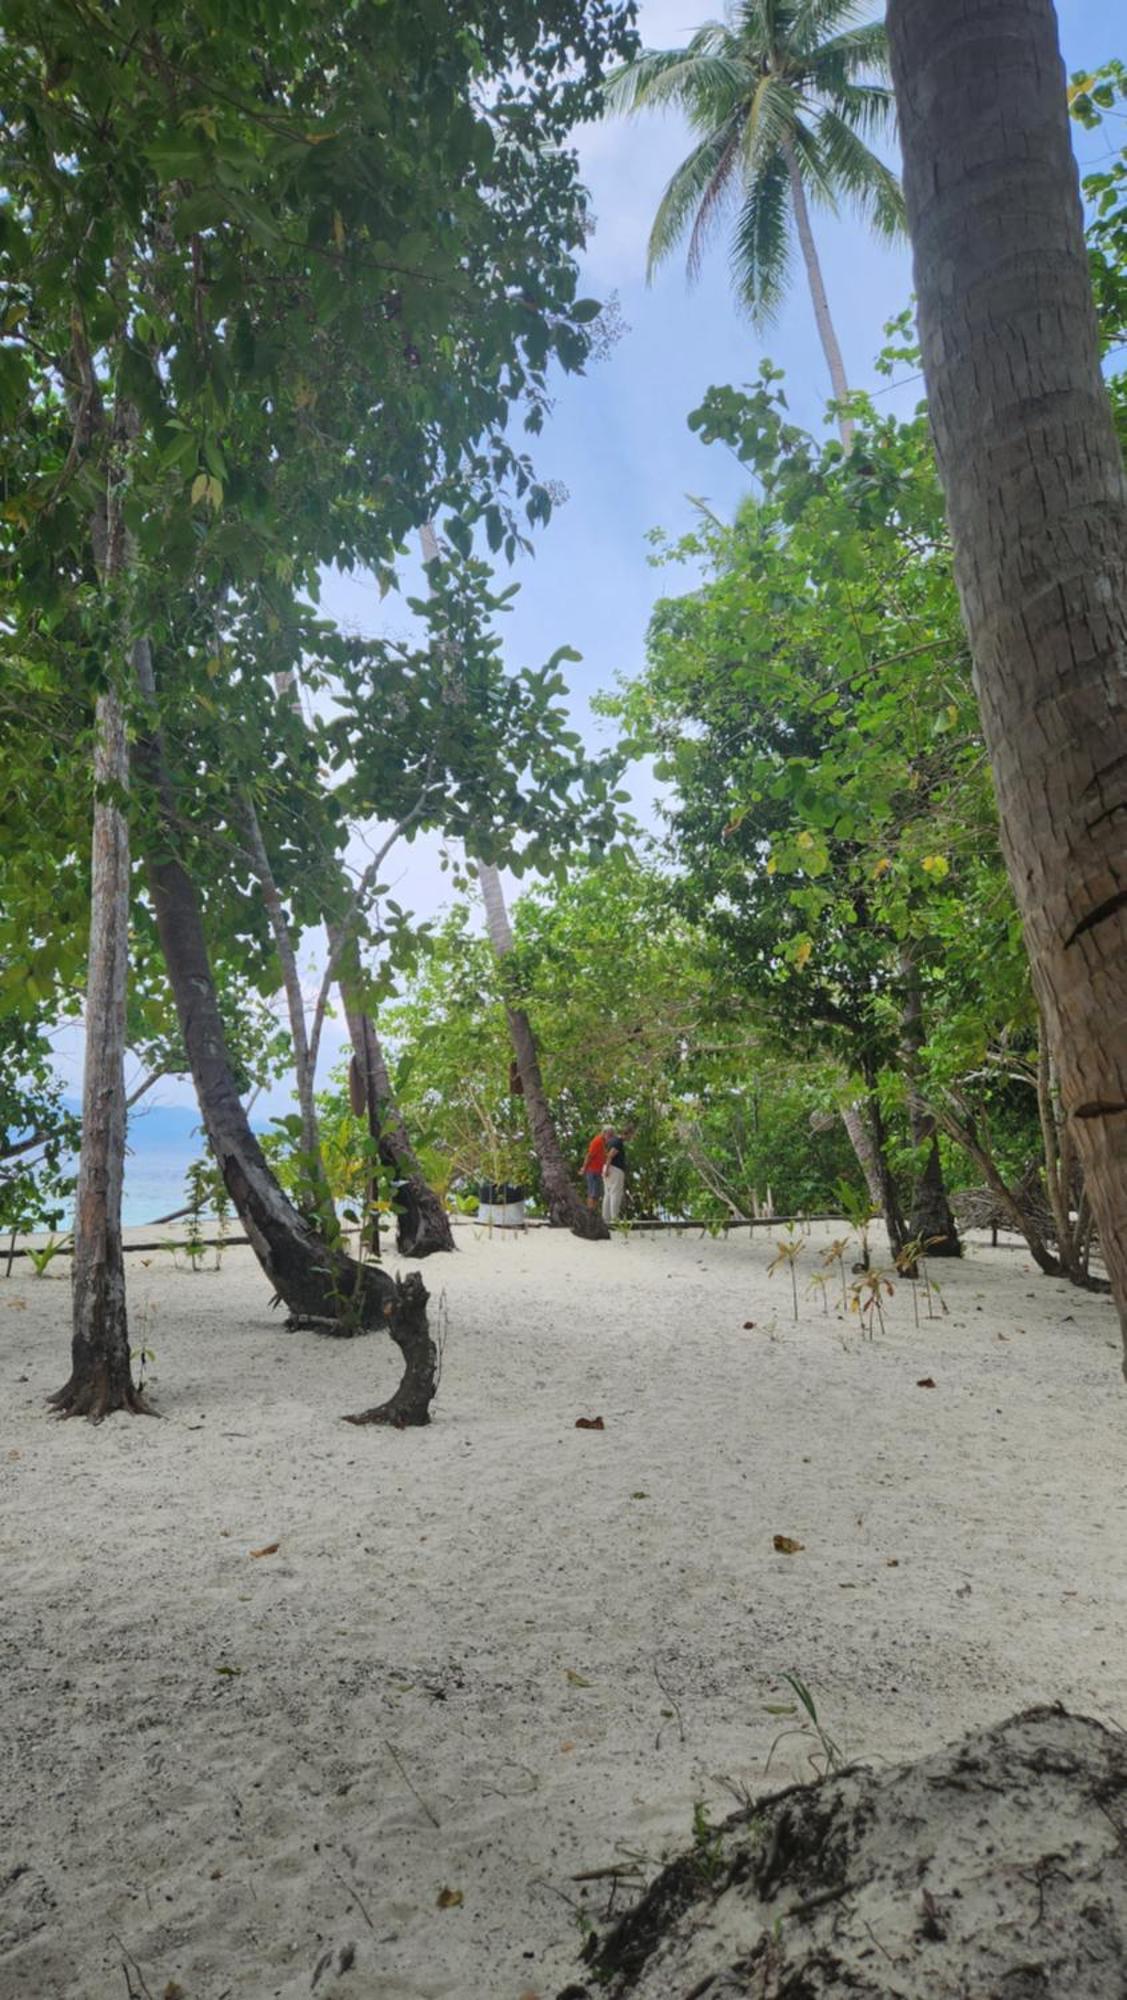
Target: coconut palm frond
[(661, 77), (859, 52), (761, 249), (870, 108), (810, 160), (769, 117), (817, 21), (866, 182), (697, 187)]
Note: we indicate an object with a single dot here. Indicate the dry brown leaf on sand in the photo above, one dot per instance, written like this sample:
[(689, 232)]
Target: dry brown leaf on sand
[(786, 1545), (271, 1549), (450, 1899), (589, 1424), (576, 1680)]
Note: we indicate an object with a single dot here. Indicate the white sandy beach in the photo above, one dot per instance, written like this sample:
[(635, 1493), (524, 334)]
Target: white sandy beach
[(496, 1653)]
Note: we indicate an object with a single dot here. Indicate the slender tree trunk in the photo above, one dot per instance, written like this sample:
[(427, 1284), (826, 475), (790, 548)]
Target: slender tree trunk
[(312, 1161), (566, 1209), (931, 1222), (321, 1286), (964, 1136), (890, 1199), (826, 330), (422, 1224), (1037, 502), (101, 1378), (861, 1140)]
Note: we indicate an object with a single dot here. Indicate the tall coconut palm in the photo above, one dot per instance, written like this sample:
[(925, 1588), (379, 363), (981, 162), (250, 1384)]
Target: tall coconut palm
[(1037, 503), (783, 95)]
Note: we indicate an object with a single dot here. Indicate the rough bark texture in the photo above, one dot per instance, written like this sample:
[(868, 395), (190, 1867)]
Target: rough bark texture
[(100, 1378), (991, 1869), (566, 1207), (827, 333), (931, 1222), (1037, 501), (321, 1286)]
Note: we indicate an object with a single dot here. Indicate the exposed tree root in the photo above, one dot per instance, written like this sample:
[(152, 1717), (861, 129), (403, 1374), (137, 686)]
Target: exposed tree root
[(407, 1323), (96, 1394)]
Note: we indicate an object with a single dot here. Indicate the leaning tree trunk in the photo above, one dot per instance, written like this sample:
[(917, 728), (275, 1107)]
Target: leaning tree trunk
[(101, 1379), (827, 332), (321, 1286), (566, 1209), (931, 1223), (861, 1140), (312, 1159), (422, 1224), (1037, 502)]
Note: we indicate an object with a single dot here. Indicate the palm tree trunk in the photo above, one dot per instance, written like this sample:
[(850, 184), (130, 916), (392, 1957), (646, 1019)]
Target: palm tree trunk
[(826, 330), (1037, 502), (566, 1210)]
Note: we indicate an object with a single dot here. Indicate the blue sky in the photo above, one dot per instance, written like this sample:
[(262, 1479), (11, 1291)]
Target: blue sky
[(618, 439)]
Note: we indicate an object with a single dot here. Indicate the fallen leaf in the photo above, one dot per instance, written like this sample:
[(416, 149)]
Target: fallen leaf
[(565, 1748), (15, 1454), (589, 1424), (892, 1562), (926, 1382), (576, 1680), (450, 1899), (271, 1549), (786, 1545)]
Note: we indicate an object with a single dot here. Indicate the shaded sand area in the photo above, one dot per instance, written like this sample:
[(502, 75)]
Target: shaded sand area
[(489, 1656)]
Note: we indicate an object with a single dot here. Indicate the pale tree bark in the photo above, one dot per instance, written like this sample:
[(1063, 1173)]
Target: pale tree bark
[(322, 1287), (101, 1378), (861, 1140), (827, 332), (1037, 502), (566, 1208)]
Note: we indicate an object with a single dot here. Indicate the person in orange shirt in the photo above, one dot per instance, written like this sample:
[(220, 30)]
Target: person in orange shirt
[(593, 1166)]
